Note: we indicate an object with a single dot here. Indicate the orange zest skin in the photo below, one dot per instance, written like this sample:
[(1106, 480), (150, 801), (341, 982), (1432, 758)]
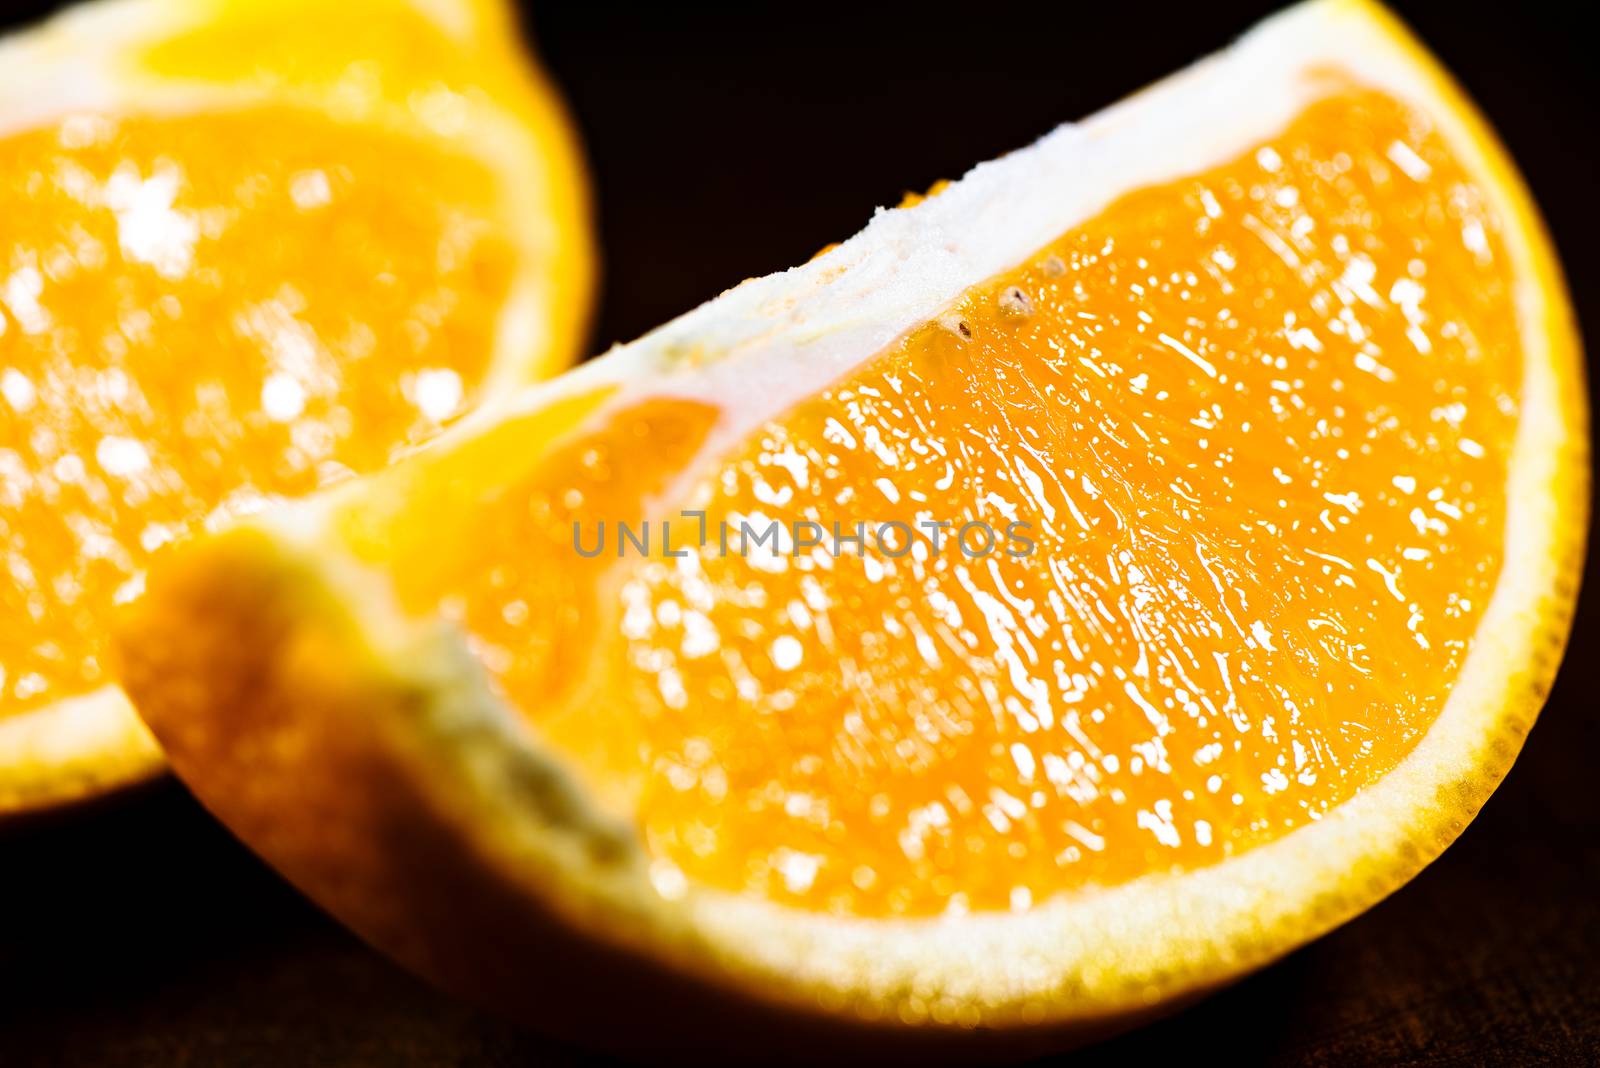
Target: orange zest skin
[(1261, 455)]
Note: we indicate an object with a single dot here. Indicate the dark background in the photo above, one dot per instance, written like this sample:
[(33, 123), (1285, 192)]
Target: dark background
[(728, 144)]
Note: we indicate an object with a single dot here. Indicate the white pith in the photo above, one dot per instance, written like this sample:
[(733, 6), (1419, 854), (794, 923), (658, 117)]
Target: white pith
[(770, 342), (83, 60)]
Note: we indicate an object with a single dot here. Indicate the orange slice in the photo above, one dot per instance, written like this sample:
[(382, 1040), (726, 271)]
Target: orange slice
[(250, 248), (1079, 588)]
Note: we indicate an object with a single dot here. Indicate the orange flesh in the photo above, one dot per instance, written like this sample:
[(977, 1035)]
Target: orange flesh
[(319, 44), (1256, 421), (188, 330), (368, 53)]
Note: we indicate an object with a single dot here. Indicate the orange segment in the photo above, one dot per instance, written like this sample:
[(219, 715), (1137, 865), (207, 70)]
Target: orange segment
[(284, 251), (1218, 468), (1198, 512)]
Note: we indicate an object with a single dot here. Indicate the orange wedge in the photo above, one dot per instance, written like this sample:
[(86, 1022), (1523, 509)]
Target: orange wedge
[(1077, 589), (250, 248)]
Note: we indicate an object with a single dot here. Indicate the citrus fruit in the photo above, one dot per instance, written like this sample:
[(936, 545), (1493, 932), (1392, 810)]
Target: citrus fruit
[(1079, 588), (250, 248)]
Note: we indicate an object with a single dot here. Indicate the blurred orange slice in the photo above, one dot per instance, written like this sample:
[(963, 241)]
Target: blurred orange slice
[(1081, 587), (250, 249)]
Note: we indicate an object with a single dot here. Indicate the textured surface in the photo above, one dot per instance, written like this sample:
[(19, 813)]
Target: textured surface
[(187, 334), (143, 936), (1233, 513)]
